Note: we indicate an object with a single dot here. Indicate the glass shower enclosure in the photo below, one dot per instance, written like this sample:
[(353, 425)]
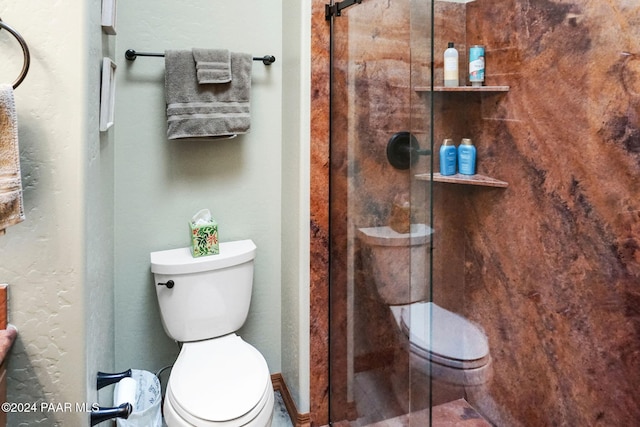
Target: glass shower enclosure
[(510, 295), (380, 213), (400, 347)]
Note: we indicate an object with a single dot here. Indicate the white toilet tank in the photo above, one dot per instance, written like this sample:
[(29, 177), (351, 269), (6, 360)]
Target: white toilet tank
[(210, 295), (398, 262)]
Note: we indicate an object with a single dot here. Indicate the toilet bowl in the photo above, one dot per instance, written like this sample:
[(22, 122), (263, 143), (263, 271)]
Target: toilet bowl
[(242, 391), (443, 346), (218, 379)]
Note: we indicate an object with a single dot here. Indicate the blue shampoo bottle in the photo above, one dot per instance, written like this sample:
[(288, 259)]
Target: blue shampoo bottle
[(448, 155), (467, 157)]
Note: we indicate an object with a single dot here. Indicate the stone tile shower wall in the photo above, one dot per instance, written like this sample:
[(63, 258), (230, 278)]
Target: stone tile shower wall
[(552, 263), (549, 267)]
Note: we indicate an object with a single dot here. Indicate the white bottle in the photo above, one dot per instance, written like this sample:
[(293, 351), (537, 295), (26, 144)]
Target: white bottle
[(451, 66)]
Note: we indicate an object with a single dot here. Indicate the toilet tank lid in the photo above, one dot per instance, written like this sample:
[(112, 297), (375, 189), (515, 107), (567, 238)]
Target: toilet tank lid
[(419, 234), (180, 261)]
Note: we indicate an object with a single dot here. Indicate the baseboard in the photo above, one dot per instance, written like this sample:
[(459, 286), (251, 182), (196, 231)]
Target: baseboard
[(298, 420)]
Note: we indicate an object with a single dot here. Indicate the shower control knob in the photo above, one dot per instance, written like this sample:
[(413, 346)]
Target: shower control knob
[(169, 284)]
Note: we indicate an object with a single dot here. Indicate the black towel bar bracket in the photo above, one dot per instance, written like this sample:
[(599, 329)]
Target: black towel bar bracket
[(131, 55), (25, 51)]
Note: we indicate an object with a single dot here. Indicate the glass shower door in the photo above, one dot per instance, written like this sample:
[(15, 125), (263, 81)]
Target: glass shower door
[(380, 214)]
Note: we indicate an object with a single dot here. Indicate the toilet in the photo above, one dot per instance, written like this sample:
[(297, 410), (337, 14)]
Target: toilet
[(218, 379), (444, 347)]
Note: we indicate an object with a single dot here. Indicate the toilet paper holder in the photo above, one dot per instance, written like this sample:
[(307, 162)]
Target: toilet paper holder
[(101, 414), (103, 379)]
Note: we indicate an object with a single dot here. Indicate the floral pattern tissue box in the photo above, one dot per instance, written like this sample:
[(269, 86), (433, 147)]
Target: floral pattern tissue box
[(204, 234)]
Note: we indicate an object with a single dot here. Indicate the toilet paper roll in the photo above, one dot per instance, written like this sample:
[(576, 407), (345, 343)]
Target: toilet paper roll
[(125, 391)]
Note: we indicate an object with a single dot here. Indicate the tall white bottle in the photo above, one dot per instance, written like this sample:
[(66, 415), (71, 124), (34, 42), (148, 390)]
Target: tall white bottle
[(451, 66)]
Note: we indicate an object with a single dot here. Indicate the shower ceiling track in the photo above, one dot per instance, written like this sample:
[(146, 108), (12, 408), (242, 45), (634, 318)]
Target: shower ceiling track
[(336, 8)]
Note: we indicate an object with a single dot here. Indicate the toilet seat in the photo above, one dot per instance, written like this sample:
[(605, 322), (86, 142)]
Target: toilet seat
[(219, 382), (443, 337), (260, 416)]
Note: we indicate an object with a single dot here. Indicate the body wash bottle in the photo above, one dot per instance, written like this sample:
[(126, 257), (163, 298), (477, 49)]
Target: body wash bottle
[(451, 74), (467, 157), (448, 155)]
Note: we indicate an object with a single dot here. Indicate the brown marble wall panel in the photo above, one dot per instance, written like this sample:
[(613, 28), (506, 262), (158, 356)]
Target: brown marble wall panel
[(551, 263), (319, 227)]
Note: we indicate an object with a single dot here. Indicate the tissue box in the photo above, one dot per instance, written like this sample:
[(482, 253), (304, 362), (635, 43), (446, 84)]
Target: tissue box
[(204, 239)]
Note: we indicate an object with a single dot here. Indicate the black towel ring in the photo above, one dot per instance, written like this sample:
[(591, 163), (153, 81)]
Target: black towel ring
[(25, 50)]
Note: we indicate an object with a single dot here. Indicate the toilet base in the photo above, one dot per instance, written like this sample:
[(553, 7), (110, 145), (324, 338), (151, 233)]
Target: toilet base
[(421, 379), (415, 389), (262, 419)]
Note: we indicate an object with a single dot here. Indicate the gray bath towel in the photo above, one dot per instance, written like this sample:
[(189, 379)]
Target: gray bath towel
[(209, 110), (212, 65), (11, 207)]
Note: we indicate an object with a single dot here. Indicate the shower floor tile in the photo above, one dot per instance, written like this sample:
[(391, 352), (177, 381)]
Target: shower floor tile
[(377, 406), (451, 414), (457, 414)]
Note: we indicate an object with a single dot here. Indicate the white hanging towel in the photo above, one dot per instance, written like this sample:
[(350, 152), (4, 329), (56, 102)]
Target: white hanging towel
[(11, 204)]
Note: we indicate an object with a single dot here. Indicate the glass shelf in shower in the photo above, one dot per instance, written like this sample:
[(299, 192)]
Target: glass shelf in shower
[(477, 179), (462, 89)]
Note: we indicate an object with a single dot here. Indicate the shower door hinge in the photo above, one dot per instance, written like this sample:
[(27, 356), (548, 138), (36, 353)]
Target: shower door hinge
[(336, 8)]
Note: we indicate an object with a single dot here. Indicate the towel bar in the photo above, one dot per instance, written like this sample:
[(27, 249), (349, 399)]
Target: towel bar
[(25, 51), (131, 55)]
